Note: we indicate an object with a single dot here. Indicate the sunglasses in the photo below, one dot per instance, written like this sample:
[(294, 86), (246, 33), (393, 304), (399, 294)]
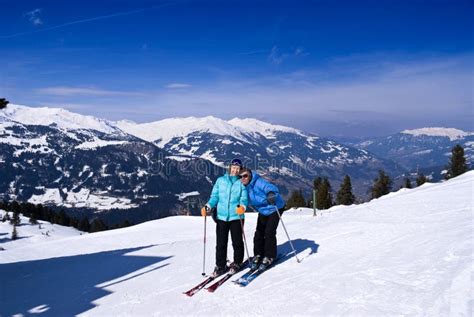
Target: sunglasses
[(244, 176)]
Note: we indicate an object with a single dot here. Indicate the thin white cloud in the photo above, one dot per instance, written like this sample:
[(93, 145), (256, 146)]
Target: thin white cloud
[(97, 18), (78, 91), (178, 86), (277, 56), (254, 52), (34, 16)]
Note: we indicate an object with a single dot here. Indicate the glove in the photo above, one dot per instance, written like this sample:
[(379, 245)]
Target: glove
[(205, 211), (271, 198), (240, 210)]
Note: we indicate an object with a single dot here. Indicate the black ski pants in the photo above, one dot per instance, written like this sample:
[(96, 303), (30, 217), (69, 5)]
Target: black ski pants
[(222, 234), (264, 241)]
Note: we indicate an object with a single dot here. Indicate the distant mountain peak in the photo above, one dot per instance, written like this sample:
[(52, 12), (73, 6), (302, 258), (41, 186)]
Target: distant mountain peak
[(251, 125), (63, 118), (451, 133), (163, 131)]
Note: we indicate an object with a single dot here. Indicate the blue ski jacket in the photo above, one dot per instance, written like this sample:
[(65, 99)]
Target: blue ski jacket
[(258, 190), (228, 193)]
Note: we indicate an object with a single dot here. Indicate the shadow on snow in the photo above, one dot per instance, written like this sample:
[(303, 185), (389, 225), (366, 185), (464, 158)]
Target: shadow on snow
[(300, 245), (67, 286)]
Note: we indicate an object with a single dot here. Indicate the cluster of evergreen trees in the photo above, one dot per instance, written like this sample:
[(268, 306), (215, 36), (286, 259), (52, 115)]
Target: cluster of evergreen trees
[(40, 212), (457, 165), (382, 185), (3, 103)]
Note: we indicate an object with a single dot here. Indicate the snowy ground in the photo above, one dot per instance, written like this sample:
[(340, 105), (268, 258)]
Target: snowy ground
[(29, 235), (408, 253)]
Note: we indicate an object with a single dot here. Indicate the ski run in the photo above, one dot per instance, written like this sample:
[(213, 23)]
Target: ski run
[(407, 253)]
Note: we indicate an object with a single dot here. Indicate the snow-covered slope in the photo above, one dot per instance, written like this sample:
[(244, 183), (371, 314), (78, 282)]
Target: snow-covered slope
[(407, 253), (32, 235)]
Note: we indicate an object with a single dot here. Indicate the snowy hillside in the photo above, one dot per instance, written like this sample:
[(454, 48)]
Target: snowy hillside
[(407, 253), (32, 235)]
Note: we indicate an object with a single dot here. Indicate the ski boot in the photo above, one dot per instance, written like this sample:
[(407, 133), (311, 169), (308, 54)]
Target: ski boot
[(266, 262), (234, 268), (219, 271), (255, 262)]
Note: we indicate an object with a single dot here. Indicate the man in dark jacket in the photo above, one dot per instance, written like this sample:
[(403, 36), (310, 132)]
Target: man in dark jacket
[(265, 198)]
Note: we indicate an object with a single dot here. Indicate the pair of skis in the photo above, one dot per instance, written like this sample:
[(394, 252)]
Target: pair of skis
[(243, 281), (212, 288), (248, 277)]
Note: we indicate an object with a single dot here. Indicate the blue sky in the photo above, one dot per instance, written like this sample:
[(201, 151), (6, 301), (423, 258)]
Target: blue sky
[(330, 67)]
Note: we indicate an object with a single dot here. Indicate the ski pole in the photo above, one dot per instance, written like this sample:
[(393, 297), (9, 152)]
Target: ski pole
[(204, 257), (245, 240), (289, 240)]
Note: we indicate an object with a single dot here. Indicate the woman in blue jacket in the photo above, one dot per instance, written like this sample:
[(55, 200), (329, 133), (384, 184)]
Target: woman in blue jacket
[(230, 197), (265, 198)]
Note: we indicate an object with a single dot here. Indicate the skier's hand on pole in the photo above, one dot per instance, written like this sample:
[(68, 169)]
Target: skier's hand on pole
[(271, 198), (205, 211), (240, 210)]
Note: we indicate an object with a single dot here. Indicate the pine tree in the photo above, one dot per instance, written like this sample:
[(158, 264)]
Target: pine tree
[(84, 225), (296, 200), (421, 179), (14, 233), (33, 220), (324, 196), (457, 164), (317, 183), (62, 219), (345, 196), (73, 222), (3, 103), (407, 183), (16, 219), (382, 185), (98, 225)]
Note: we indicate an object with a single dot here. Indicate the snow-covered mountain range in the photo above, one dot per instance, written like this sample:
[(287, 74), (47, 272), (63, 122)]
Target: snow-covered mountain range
[(427, 149), (408, 253), (290, 157), (55, 157), (164, 131)]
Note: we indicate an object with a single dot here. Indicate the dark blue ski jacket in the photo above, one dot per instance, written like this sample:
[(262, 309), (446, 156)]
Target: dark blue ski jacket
[(258, 190)]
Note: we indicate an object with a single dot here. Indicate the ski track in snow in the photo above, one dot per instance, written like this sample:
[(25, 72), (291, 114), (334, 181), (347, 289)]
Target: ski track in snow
[(407, 253)]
